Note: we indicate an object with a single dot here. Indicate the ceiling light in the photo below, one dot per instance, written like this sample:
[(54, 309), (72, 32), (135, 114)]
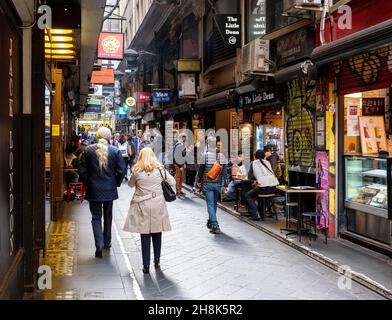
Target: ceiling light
[(59, 45), (60, 57), (59, 31), (59, 39), (60, 51)]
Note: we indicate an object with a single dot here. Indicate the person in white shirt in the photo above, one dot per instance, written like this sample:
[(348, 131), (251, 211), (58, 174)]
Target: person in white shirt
[(266, 181)]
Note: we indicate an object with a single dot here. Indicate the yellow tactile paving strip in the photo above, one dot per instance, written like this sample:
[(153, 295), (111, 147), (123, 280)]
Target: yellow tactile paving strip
[(61, 247)]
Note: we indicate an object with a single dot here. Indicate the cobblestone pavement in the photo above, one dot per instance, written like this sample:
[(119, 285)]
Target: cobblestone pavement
[(242, 263)]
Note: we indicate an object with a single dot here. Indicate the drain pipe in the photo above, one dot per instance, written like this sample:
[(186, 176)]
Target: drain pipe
[(322, 23)]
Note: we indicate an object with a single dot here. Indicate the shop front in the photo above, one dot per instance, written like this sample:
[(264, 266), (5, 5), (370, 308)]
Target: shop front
[(11, 220), (363, 78)]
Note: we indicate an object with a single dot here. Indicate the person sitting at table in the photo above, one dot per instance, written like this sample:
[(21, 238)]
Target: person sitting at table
[(71, 164), (238, 174), (266, 181)]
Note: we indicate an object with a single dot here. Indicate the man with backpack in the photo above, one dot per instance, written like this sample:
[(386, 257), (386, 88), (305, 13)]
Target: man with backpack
[(179, 160)]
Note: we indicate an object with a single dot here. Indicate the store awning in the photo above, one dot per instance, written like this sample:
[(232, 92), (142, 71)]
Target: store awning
[(216, 101), (373, 37), (104, 76), (250, 87), (183, 108), (293, 72)]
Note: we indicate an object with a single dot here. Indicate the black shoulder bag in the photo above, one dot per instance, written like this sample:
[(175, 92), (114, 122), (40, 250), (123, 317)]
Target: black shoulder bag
[(168, 192)]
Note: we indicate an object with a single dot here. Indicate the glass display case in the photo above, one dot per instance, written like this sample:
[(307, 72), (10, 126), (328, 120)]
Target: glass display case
[(268, 135), (368, 196), (367, 182)]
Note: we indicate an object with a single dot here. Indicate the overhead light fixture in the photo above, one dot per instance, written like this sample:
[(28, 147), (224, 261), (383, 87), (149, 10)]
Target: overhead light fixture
[(59, 31), (59, 39), (60, 51), (60, 57), (59, 45)]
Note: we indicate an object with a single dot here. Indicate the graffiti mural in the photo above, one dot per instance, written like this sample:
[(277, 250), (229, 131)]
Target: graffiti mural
[(367, 66), (301, 108)]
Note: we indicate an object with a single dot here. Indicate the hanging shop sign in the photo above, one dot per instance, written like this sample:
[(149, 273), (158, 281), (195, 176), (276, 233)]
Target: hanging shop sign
[(111, 46), (162, 96), (130, 101), (96, 90), (257, 19), (258, 97), (230, 28), (143, 97), (109, 102), (295, 46), (187, 65)]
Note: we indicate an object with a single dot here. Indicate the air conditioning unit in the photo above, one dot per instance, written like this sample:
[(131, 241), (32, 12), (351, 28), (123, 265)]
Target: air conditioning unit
[(187, 83), (301, 6), (255, 56)]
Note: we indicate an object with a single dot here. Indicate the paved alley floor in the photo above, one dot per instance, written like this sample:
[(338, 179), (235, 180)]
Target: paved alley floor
[(242, 263)]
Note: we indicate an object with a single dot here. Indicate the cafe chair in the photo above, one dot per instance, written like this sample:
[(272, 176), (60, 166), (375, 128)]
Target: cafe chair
[(264, 200), (309, 220), (72, 187)]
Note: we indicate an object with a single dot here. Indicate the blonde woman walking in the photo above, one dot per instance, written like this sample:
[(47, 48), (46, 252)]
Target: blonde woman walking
[(148, 213), (102, 170)]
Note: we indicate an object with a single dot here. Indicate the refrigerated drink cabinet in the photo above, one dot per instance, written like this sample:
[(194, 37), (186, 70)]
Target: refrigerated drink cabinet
[(268, 135)]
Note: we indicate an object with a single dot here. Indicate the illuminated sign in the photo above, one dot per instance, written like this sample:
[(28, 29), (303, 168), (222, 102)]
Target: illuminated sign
[(111, 46)]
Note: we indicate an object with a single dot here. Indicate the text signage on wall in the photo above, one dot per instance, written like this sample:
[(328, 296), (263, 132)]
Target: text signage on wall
[(111, 46), (257, 19), (373, 106), (161, 96), (295, 46), (258, 97), (230, 28), (10, 91)]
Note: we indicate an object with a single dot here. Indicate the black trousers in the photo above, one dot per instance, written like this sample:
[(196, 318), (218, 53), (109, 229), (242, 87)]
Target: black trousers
[(146, 246), (102, 238), (251, 196)]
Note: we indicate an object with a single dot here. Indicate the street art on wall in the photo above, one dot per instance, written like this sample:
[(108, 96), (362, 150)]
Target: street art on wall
[(301, 107), (322, 180)]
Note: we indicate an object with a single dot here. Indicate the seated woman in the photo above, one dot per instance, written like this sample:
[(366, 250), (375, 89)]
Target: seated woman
[(71, 164), (239, 175)]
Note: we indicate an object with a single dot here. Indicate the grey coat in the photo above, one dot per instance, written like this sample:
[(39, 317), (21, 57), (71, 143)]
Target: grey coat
[(148, 211)]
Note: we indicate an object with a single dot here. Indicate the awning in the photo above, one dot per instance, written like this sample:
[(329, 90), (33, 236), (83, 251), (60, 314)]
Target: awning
[(370, 38), (183, 108), (216, 101), (293, 72), (105, 76), (250, 87)]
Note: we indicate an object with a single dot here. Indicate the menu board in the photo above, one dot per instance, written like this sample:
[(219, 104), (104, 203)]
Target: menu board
[(373, 106), (373, 135)]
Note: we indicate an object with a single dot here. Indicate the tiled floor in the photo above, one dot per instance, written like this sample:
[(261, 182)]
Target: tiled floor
[(241, 263)]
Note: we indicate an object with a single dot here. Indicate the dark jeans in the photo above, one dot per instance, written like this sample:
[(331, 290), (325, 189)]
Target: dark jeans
[(102, 238), (146, 246), (250, 198), (211, 191)]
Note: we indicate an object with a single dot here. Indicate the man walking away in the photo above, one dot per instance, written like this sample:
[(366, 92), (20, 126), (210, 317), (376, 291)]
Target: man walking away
[(179, 155), (102, 170)]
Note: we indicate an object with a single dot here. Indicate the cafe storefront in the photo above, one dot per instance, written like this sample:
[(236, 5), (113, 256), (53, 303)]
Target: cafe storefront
[(361, 70)]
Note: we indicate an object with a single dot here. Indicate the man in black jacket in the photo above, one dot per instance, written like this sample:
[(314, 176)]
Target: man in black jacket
[(102, 170)]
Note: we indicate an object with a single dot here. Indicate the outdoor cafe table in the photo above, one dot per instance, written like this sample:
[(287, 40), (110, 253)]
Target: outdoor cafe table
[(300, 190)]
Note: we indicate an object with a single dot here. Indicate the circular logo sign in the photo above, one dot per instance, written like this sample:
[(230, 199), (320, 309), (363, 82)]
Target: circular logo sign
[(232, 40), (130, 101)]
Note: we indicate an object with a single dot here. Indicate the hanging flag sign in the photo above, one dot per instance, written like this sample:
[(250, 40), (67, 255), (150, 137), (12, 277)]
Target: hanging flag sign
[(130, 102), (143, 97), (230, 28), (161, 96), (111, 46)]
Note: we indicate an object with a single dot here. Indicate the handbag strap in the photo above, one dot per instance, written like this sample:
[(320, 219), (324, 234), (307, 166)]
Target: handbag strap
[(163, 178), (262, 162)]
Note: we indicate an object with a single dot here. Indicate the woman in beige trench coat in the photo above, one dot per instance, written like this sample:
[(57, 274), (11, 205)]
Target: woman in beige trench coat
[(148, 213)]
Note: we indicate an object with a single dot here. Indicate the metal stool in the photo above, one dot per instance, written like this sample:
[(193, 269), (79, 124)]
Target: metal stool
[(73, 186), (261, 200), (289, 206), (238, 193)]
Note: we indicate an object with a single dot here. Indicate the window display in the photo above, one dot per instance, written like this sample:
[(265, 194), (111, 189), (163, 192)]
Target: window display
[(366, 181)]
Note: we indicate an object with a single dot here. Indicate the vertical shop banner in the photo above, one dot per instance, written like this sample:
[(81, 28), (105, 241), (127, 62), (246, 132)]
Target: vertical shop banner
[(111, 46), (257, 23), (230, 29), (10, 139), (322, 179)]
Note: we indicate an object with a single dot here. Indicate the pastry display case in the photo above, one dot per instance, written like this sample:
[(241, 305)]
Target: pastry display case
[(368, 196)]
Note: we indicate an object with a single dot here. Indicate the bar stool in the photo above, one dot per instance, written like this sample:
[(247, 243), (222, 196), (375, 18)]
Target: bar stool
[(309, 220), (238, 193), (73, 186), (262, 200)]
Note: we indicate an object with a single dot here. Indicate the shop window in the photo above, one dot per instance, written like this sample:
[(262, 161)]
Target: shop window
[(275, 19), (256, 19)]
